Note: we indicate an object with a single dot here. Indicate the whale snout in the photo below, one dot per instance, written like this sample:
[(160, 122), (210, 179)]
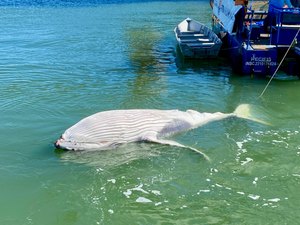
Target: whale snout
[(66, 144), (61, 143), (57, 144)]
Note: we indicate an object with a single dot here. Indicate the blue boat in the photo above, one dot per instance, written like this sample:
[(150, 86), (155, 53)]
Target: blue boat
[(258, 41)]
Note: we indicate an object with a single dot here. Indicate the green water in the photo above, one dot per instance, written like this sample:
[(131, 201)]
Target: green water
[(60, 64)]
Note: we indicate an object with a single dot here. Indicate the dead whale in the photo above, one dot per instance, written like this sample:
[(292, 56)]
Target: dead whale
[(109, 129)]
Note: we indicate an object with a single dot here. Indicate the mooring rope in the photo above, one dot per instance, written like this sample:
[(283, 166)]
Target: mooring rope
[(279, 64)]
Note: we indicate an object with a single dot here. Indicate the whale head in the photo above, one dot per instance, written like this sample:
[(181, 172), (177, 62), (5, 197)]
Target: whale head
[(68, 142)]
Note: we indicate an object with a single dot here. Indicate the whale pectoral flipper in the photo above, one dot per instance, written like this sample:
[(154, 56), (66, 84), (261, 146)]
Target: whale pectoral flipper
[(174, 143)]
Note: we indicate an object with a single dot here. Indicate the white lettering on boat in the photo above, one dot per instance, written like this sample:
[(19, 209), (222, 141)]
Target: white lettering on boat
[(260, 61)]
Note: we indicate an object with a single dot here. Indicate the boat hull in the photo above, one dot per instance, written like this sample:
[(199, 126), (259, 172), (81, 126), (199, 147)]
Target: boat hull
[(254, 49)]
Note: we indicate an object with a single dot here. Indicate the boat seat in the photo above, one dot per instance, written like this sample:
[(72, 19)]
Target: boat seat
[(189, 40), (262, 47), (183, 34), (204, 39), (196, 40), (189, 32), (187, 36), (199, 44), (264, 35), (288, 26)]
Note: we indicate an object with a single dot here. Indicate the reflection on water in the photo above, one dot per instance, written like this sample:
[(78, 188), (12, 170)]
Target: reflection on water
[(123, 154), (149, 61), (217, 66), (143, 52)]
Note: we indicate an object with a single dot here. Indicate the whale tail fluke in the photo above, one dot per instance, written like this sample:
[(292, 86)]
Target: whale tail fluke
[(244, 111)]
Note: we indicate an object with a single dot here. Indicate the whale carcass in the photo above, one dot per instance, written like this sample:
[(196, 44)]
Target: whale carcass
[(109, 129)]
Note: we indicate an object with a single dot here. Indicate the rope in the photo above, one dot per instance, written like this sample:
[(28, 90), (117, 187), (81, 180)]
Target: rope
[(279, 64)]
